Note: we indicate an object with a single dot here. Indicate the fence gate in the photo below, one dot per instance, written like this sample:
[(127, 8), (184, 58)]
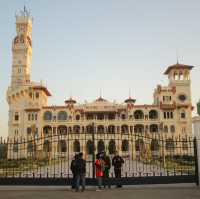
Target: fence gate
[(149, 159)]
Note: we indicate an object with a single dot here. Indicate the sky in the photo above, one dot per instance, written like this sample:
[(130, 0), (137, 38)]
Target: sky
[(82, 47)]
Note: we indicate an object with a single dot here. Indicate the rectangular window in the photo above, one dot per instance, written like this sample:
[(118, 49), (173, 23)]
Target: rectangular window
[(168, 116), (183, 115), (37, 95), (167, 98), (29, 130), (16, 117)]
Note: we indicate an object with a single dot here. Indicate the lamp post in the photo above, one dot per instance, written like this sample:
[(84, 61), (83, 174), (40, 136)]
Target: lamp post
[(93, 152)]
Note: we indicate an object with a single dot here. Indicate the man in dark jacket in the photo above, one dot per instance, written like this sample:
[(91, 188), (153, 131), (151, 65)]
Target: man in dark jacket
[(80, 170), (107, 166), (72, 167), (117, 162)]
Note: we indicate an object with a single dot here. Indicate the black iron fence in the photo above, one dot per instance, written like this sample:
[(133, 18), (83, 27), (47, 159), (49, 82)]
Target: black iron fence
[(147, 158)]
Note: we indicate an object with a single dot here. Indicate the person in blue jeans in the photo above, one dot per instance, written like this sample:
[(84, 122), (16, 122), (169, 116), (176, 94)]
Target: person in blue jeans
[(80, 170)]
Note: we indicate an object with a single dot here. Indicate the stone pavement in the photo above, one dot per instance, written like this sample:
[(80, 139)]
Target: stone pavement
[(186, 191)]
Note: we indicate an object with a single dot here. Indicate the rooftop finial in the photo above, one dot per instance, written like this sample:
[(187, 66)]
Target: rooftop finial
[(100, 93), (70, 96), (25, 12), (177, 57), (129, 93)]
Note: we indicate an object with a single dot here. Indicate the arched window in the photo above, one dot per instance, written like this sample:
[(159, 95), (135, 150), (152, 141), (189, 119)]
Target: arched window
[(89, 116), (77, 117), (62, 115), (47, 130), (100, 116), (154, 145), (172, 129), (123, 116), (175, 76), (76, 146), (186, 75), (100, 146), (181, 76), (29, 117), (111, 116), (47, 146), (70, 129), (153, 114), (29, 130), (76, 129), (169, 144), (47, 116), (62, 130), (125, 145), (90, 147), (16, 116), (89, 129), (139, 145), (100, 129), (62, 147), (111, 129), (166, 129), (138, 115), (153, 128), (138, 128), (124, 129), (112, 147)]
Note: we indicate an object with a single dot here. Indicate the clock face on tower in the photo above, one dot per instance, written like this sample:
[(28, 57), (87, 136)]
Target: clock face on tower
[(182, 97)]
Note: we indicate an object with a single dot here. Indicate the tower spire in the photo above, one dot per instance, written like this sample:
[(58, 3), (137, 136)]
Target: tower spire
[(22, 49)]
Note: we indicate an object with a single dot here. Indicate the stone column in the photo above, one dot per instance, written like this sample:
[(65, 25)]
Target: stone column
[(196, 127)]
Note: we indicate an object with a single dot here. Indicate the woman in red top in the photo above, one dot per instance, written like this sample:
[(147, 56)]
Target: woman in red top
[(99, 163)]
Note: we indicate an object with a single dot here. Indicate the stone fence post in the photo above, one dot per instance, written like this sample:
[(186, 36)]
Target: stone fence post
[(196, 128)]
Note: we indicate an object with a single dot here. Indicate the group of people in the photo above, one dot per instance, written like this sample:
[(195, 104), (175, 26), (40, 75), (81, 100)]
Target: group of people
[(102, 166)]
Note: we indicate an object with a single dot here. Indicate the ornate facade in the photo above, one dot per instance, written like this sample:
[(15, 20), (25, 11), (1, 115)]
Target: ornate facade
[(30, 116)]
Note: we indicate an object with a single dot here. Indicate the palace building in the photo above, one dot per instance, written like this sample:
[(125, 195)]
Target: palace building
[(109, 123)]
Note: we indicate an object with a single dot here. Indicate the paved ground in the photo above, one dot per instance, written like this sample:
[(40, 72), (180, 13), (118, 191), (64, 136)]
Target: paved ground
[(134, 192)]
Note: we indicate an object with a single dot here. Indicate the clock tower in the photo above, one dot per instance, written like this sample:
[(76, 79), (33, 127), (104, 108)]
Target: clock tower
[(22, 50), (179, 78)]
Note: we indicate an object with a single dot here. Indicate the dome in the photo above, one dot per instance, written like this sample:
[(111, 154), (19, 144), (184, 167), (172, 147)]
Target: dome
[(70, 101), (99, 105), (130, 100)]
